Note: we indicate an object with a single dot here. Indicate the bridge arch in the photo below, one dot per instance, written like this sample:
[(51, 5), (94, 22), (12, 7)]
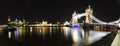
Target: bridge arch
[(89, 17), (79, 16)]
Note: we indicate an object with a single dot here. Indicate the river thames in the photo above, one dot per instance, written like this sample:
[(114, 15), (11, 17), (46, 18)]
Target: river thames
[(55, 36)]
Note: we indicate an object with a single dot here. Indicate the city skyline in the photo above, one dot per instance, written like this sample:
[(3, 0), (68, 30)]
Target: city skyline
[(57, 10)]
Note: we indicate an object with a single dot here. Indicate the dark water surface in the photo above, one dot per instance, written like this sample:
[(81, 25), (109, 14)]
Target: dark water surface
[(52, 36)]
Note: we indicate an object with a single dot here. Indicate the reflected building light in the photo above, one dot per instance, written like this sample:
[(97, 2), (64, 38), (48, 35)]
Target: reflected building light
[(43, 31), (21, 31), (40, 31), (17, 33), (31, 29), (82, 33), (1, 30), (43, 28), (37, 29), (76, 36), (76, 28), (61, 29), (9, 34), (66, 30), (51, 31), (76, 25), (86, 37)]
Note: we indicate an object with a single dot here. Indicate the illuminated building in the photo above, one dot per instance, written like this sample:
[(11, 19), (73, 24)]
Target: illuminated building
[(17, 22), (66, 23)]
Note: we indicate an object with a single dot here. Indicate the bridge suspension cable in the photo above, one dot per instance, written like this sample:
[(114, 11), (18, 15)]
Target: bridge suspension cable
[(99, 21), (78, 16)]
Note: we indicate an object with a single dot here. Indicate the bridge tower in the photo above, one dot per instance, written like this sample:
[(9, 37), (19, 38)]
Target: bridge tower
[(89, 12), (74, 20), (9, 19)]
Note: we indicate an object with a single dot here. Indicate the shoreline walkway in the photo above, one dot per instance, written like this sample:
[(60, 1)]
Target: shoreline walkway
[(116, 41), (106, 41)]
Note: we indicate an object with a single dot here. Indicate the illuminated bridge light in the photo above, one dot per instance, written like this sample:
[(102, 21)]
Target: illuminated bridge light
[(76, 25)]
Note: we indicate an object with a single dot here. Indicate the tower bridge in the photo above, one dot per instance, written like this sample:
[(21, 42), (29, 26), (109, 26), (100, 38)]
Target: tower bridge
[(89, 18)]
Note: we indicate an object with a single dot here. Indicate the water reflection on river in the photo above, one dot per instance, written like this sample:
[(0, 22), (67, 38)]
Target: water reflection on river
[(46, 36)]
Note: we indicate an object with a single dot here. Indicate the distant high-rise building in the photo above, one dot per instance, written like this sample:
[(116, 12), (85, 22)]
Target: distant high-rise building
[(9, 19)]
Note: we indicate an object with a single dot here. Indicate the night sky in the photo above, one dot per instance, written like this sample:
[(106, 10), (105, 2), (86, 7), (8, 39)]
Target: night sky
[(57, 10)]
